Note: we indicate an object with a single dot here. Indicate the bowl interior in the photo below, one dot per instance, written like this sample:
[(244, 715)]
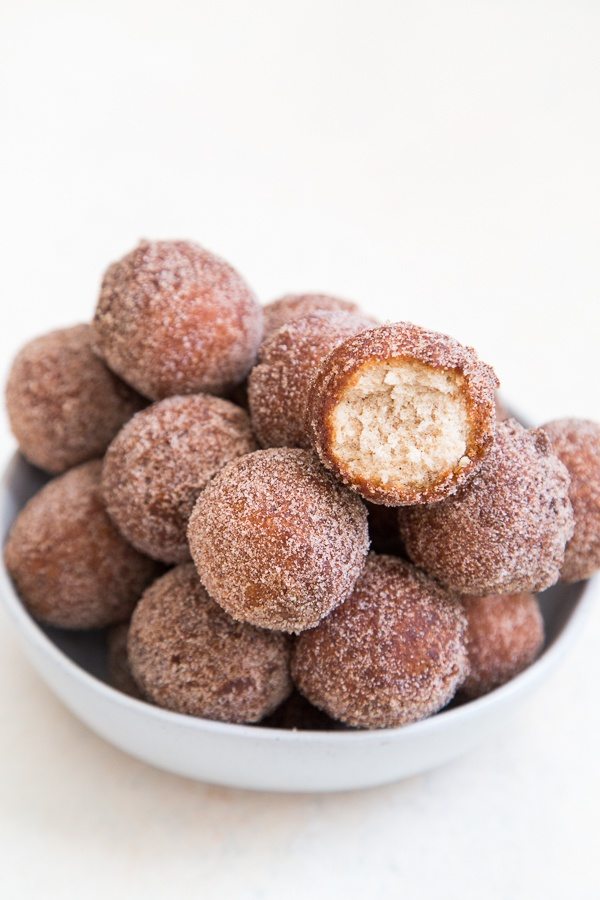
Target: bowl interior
[(87, 649)]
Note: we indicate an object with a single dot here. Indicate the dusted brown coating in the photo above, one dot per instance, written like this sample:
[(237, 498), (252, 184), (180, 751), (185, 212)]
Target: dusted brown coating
[(189, 656), (393, 653), (577, 444), (173, 318), (159, 463), (505, 634), (64, 405), (505, 531), (117, 662), (279, 385), (404, 341), (296, 306), (70, 565), (277, 541)]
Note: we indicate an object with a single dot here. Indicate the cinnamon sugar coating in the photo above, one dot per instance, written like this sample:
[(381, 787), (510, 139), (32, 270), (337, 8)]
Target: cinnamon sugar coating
[(159, 463), (173, 318), (577, 444), (439, 393), (279, 384), (277, 541), (117, 661), (70, 565), (505, 634), (295, 306), (190, 656), (503, 532), (64, 405), (393, 653)]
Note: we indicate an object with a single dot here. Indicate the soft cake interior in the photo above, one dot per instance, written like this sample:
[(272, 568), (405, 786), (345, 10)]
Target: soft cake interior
[(401, 424)]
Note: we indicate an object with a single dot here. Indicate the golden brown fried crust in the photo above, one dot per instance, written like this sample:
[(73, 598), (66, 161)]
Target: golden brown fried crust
[(404, 341)]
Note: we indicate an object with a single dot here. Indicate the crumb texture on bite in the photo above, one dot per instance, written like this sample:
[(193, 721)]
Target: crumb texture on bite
[(401, 414), (400, 424)]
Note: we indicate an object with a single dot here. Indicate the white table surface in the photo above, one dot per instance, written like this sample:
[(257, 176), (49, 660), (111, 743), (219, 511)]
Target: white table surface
[(437, 161)]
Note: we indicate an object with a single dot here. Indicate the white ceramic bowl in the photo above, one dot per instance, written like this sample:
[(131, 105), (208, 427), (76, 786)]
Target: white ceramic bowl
[(72, 664)]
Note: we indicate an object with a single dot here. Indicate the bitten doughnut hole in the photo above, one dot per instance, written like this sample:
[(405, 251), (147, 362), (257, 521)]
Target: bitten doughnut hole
[(401, 414), (400, 424)]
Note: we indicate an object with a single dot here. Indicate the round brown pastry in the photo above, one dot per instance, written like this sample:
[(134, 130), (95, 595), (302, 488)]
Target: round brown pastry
[(70, 565), (189, 656), (403, 415), (577, 444), (64, 405), (505, 634), (159, 463), (117, 661), (504, 532), (277, 541), (278, 386), (393, 653), (173, 318), (296, 306)]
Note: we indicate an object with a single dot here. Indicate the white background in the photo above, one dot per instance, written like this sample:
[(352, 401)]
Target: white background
[(437, 161)]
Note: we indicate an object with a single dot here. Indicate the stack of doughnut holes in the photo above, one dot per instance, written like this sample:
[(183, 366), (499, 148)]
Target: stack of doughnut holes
[(291, 515)]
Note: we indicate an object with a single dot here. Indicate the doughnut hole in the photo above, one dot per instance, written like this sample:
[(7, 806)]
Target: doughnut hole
[(505, 633)]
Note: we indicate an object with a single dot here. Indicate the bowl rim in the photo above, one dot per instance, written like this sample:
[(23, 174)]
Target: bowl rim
[(29, 629)]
